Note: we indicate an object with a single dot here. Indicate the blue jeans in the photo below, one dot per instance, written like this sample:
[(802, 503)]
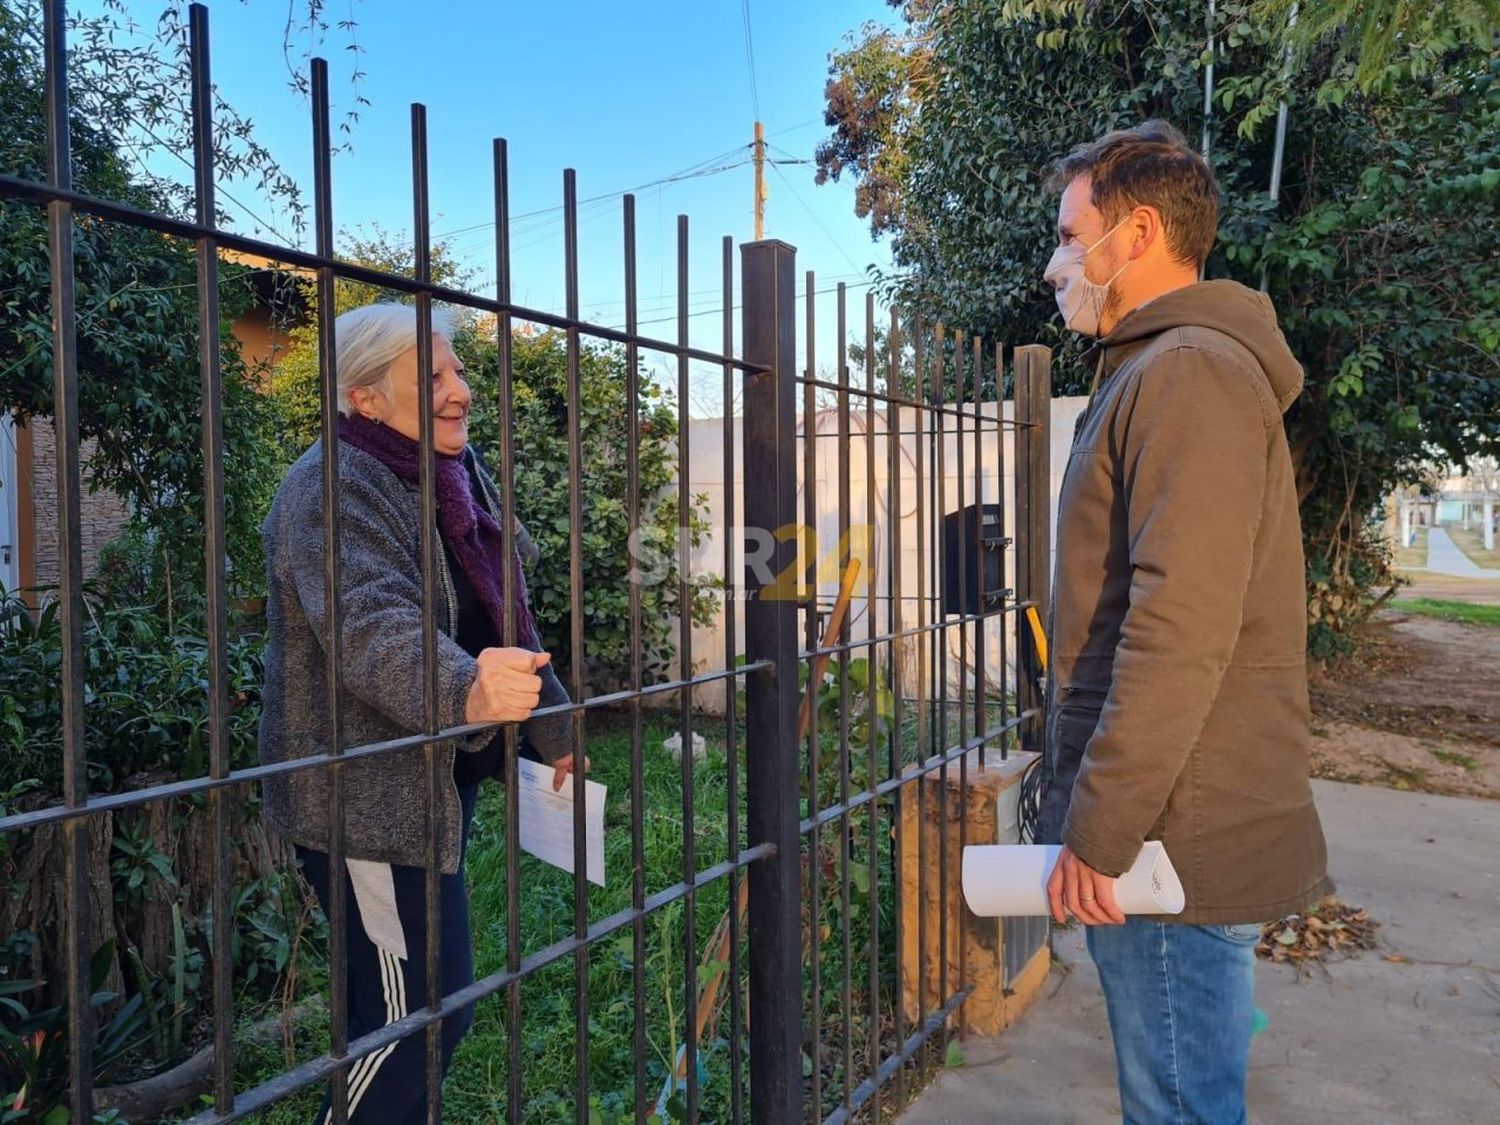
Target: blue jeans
[(1181, 1003)]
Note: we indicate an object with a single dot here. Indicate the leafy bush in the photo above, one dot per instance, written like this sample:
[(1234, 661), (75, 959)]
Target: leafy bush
[(34, 1046), (540, 362), (145, 704)]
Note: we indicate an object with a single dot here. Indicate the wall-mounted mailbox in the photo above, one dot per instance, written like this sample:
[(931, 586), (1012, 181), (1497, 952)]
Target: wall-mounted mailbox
[(983, 585)]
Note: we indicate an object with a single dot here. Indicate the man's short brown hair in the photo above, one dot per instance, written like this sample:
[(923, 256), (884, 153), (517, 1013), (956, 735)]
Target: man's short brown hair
[(1150, 165)]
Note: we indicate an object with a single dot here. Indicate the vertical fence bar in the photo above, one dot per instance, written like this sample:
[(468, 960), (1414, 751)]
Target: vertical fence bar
[(575, 617), (895, 452), (1033, 370), (940, 637), (1007, 549), (944, 740), (422, 260), (505, 371), (872, 712), (685, 650), (338, 937), (731, 707), (637, 760), (966, 615), (981, 551), (845, 839), (769, 335), (924, 536), (216, 624), (807, 585), (77, 927)]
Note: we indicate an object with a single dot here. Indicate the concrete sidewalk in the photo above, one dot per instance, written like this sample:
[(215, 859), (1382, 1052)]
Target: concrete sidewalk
[(1370, 1040), (1445, 557)]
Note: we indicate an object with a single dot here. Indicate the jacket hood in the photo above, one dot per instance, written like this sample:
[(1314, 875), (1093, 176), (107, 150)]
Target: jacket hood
[(1244, 314)]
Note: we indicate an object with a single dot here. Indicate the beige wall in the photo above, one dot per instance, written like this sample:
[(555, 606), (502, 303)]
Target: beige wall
[(261, 343)]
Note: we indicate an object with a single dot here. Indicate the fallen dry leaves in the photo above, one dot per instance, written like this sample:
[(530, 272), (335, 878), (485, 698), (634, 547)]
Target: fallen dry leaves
[(1330, 927)]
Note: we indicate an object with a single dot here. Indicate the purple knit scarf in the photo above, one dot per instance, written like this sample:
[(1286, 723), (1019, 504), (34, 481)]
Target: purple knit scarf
[(468, 530)]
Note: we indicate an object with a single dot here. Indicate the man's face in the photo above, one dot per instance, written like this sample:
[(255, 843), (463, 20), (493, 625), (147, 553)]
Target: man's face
[(1082, 224)]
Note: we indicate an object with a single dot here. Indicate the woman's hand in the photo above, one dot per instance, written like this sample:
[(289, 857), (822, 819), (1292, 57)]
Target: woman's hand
[(562, 768), (506, 688)]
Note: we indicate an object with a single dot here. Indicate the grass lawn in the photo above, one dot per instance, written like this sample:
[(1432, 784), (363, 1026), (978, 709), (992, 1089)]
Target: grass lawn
[(1416, 554), (1463, 612), (1471, 542), (475, 1090)]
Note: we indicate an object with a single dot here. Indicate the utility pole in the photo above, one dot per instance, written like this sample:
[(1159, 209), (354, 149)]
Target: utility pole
[(760, 181), (1278, 154)]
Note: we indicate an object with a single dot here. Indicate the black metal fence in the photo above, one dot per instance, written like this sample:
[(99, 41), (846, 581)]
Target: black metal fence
[(825, 1020)]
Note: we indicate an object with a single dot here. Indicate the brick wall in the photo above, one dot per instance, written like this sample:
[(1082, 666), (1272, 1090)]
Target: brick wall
[(102, 514)]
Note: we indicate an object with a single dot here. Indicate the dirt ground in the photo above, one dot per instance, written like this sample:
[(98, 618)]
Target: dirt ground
[(1419, 708)]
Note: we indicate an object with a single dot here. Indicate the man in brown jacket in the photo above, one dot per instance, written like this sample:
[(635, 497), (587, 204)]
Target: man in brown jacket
[(1179, 705)]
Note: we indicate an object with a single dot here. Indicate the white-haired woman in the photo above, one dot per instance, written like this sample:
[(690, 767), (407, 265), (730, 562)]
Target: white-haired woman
[(381, 660)]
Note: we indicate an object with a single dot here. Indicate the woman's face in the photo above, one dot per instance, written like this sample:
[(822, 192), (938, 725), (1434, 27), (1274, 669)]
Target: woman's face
[(401, 410)]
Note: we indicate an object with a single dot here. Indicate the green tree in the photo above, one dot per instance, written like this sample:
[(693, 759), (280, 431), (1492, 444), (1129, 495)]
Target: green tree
[(137, 330), (540, 363), (1381, 253)]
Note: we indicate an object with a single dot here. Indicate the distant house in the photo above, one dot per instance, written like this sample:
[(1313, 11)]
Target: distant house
[(1468, 496), (28, 453)]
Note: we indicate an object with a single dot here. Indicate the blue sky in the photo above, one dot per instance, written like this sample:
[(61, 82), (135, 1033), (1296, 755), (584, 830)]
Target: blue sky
[(624, 93)]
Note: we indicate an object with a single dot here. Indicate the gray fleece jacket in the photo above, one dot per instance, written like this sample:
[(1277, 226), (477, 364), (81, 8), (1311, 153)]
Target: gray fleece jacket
[(385, 817)]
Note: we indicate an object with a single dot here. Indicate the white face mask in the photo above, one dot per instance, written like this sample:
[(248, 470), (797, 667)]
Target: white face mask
[(1080, 300)]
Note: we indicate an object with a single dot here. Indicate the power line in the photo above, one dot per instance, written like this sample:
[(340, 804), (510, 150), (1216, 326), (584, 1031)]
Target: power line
[(669, 301), (811, 121), (219, 189), (837, 245), (552, 214), (750, 57), (718, 309)]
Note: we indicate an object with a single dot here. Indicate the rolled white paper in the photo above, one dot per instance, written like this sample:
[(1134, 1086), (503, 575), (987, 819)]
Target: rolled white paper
[(1010, 880)]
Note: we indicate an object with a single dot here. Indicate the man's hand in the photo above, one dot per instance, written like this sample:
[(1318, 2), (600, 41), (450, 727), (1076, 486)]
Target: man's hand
[(506, 688), (562, 768), (1076, 888)]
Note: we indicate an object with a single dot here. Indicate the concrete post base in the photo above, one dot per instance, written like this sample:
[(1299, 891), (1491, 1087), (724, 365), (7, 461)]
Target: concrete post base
[(975, 952)]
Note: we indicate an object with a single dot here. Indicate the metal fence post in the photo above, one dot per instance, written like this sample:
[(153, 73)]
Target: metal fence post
[(1033, 415), (771, 747)]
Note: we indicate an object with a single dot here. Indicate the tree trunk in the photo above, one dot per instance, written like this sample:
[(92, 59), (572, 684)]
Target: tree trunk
[(152, 1097), (40, 903)]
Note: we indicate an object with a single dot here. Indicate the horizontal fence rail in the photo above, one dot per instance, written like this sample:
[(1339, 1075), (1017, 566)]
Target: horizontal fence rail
[(857, 705)]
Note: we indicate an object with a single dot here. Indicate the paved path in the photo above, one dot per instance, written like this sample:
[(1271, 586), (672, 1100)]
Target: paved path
[(1369, 1041), (1444, 557)]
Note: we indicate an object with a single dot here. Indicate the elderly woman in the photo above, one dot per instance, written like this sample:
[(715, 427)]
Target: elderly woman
[(381, 670)]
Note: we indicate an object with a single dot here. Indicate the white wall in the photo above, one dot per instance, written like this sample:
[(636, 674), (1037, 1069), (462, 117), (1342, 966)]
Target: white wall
[(919, 570)]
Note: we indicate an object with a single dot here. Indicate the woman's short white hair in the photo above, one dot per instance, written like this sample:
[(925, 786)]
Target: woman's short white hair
[(370, 338)]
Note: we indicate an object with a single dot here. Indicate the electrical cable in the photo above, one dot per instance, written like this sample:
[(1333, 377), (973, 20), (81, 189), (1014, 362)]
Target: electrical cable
[(750, 58), (1034, 784)]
